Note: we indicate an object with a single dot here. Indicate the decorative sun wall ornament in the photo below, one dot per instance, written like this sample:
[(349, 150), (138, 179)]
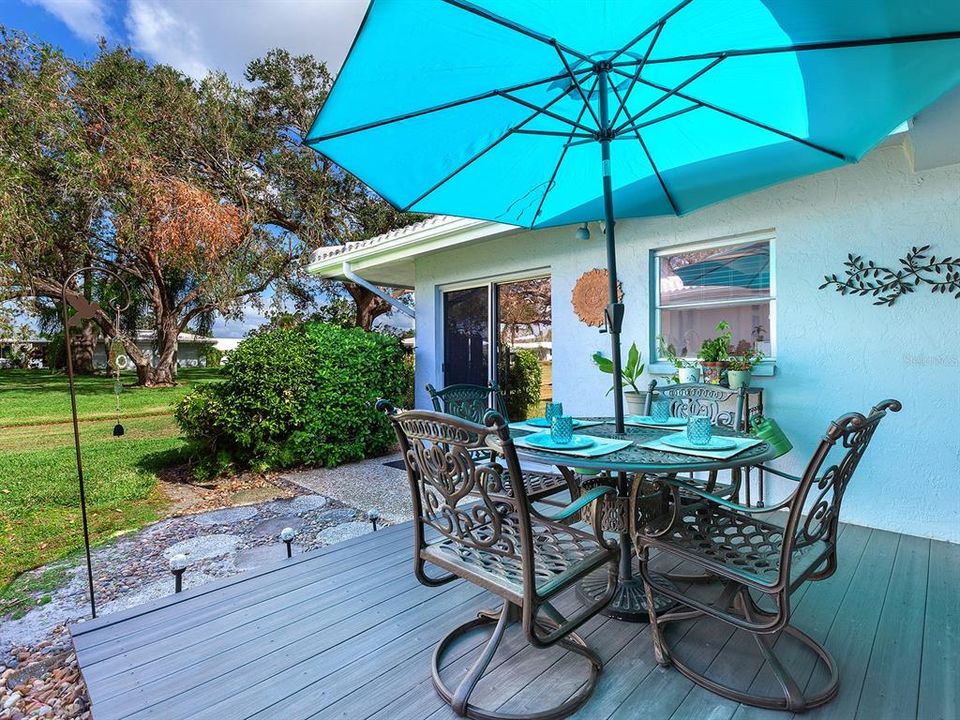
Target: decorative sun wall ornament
[(887, 285), (590, 296)]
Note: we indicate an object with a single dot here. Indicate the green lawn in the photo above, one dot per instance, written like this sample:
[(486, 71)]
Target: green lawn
[(39, 496)]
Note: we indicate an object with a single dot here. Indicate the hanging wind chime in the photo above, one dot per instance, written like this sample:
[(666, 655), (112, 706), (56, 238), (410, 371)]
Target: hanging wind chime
[(85, 310), (117, 360)]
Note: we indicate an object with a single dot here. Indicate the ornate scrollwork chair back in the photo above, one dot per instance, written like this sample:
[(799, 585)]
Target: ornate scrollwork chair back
[(688, 399), (471, 523), (469, 402), (766, 552), (472, 403), (815, 513)]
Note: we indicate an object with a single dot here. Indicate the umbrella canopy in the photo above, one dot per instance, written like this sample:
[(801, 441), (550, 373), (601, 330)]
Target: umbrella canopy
[(540, 113), (491, 110)]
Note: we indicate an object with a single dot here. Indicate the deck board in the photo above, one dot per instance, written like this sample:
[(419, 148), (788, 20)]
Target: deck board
[(347, 632)]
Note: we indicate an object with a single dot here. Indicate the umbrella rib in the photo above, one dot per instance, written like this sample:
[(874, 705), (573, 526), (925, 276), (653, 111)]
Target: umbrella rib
[(515, 26), (805, 47), (544, 111), (573, 79), (663, 19), (756, 123), (669, 92), (487, 149), (556, 169), (659, 119), (653, 165), (435, 108), (636, 76)]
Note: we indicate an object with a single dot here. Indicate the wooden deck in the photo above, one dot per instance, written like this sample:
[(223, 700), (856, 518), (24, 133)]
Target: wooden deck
[(346, 632)]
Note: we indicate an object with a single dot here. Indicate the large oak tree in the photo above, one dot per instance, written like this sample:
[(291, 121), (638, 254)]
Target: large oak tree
[(199, 194)]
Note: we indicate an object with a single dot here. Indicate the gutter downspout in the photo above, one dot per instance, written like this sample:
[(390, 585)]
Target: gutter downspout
[(350, 275)]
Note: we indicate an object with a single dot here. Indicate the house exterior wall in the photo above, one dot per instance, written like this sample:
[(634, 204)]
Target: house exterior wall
[(834, 354), (189, 354)]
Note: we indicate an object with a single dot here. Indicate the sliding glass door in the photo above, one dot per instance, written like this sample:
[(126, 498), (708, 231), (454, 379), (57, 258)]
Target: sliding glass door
[(466, 336), (520, 359)]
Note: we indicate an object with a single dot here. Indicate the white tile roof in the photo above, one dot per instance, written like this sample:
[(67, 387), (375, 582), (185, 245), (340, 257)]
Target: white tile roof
[(434, 221)]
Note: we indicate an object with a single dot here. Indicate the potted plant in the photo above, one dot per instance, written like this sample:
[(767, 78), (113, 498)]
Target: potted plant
[(739, 368), (714, 354), (630, 373), (688, 371)]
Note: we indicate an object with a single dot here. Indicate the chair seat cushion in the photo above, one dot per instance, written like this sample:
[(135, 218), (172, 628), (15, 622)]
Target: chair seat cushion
[(738, 545), (562, 554)]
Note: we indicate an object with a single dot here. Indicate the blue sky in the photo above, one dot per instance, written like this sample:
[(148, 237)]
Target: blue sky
[(195, 36)]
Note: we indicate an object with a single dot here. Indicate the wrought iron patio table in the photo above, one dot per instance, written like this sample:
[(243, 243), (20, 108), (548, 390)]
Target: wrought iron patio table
[(629, 602)]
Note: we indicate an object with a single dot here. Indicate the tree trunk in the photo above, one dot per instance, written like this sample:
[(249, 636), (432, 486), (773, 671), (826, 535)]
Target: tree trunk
[(83, 344), (369, 306)]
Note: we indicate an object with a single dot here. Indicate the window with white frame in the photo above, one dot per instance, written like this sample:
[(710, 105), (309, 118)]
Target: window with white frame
[(698, 286)]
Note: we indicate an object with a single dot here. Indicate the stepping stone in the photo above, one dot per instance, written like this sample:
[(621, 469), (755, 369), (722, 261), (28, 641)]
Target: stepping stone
[(339, 533), (298, 505), (254, 557), (272, 526), (337, 515), (203, 547), (227, 516)]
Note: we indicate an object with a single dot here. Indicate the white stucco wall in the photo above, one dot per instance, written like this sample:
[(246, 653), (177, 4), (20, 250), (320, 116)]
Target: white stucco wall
[(835, 354)]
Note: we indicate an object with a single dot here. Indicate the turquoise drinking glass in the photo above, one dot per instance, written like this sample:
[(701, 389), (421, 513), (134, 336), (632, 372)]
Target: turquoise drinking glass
[(561, 429), (552, 410), (660, 410), (699, 430)]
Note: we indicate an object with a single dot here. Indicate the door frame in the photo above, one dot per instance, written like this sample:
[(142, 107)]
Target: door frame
[(490, 282)]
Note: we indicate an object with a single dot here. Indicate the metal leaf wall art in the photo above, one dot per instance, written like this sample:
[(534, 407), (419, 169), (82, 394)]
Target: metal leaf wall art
[(887, 285)]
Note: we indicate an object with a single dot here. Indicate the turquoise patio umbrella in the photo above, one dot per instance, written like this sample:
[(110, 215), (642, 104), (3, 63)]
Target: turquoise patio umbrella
[(551, 112)]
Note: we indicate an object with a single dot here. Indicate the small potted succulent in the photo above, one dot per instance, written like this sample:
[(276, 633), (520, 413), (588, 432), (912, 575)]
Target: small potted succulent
[(714, 354), (630, 373), (740, 367), (688, 371)]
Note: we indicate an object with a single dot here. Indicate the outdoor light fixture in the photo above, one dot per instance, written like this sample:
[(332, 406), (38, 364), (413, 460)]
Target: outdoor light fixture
[(583, 232), (178, 564), (287, 535), (373, 515)]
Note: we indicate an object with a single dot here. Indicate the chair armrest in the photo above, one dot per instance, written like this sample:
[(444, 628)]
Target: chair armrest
[(779, 473), (678, 484), (577, 505)]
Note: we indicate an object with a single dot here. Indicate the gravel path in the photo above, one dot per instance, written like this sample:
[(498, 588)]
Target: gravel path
[(38, 669), (365, 485)]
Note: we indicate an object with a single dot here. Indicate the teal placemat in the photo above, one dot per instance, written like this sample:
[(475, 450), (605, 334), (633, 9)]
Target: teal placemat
[(578, 425), (742, 444), (601, 446)]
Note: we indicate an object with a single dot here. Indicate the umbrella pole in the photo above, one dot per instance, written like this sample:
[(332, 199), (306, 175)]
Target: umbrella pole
[(613, 314), (629, 602)]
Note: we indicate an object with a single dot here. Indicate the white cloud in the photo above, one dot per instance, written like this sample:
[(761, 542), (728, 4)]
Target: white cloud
[(87, 19), (200, 35)]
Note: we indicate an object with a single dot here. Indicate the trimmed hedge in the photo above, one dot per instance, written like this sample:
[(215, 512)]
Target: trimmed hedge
[(296, 396)]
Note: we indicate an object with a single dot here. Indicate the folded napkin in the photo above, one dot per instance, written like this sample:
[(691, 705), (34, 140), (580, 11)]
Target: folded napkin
[(742, 444), (601, 446), (577, 425)]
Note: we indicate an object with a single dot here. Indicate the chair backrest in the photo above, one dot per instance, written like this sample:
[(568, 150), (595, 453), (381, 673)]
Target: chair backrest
[(447, 475), (688, 399), (467, 402), (815, 509)]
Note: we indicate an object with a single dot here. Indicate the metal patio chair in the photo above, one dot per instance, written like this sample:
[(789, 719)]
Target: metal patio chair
[(499, 542), (766, 552), (471, 402), (688, 399)]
